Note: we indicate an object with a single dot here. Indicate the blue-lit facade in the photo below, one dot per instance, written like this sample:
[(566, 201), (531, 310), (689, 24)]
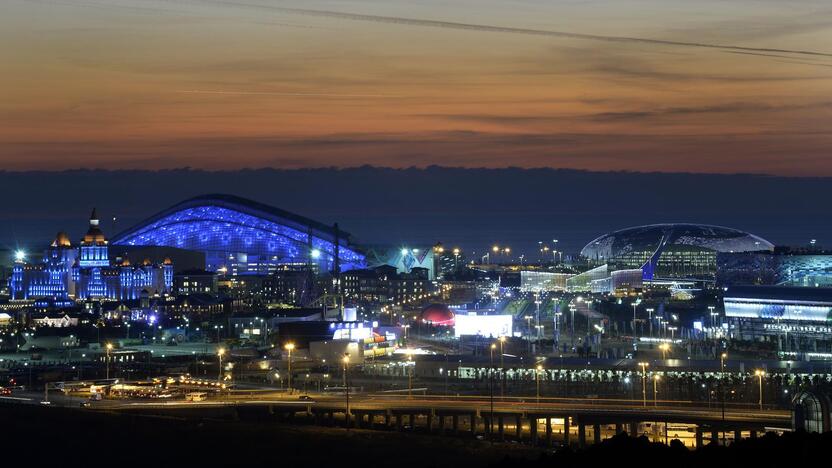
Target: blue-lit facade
[(798, 319), (239, 236), (783, 267), (66, 273)]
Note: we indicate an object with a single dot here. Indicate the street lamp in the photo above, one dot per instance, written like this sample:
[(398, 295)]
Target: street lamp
[(346, 361), (760, 374), (557, 327), (290, 347), (220, 353), (650, 319), (722, 359), (109, 348), (655, 390), (409, 375), (491, 388), (713, 320), (644, 381), (537, 378), (664, 347), (502, 340), (572, 326)]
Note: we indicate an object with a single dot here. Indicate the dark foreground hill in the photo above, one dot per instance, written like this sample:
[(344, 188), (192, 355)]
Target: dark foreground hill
[(39, 436)]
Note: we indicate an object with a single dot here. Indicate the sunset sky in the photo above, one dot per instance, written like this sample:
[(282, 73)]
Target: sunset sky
[(648, 85)]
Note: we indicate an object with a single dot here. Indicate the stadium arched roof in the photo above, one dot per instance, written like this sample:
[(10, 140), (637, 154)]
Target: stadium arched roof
[(655, 237), (647, 246), (225, 224)]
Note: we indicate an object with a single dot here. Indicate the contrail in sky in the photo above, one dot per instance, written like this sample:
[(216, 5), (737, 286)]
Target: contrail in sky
[(277, 93), (505, 29)]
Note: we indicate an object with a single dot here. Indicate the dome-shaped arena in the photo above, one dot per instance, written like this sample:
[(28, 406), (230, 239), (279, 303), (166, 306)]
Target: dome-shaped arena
[(438, 314), (671, 250)]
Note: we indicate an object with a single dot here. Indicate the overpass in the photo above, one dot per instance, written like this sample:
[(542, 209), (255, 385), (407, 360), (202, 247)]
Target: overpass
[(520, 419)]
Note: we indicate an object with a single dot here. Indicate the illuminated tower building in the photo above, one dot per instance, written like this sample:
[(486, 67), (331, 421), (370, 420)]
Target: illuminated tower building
[(94, 251)]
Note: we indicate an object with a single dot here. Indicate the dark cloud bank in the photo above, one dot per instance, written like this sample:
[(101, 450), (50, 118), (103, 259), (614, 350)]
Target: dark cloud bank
[(467, 207)]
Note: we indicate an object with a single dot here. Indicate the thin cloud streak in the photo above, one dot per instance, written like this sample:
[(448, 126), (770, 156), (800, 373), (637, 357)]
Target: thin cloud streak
[(510, 30), (290, 94)]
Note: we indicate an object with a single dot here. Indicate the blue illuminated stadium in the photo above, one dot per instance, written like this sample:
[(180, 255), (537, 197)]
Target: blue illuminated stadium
[(244, 237)]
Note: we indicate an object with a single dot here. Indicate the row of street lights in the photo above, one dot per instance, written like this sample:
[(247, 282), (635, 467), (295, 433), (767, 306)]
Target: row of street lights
[(759, 373)]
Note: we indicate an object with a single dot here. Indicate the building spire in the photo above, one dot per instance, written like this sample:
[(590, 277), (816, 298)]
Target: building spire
[(94, 218)]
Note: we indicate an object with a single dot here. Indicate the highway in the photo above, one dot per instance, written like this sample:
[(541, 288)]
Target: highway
[(596, 409), (551, 421), (587, 409)]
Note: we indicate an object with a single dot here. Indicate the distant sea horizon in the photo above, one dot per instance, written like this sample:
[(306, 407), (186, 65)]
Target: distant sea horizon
[(460, 207)]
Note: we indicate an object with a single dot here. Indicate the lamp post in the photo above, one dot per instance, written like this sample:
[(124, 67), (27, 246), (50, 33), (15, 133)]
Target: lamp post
[(529, 331), (502, 369), (655, 390), (557, 328), (555, 246), (644, 381), (491, 387), (109, 348), (711, 314), (722, 358), (290, 347), (409, 375), (650, 319), (572, 325), (760, 374), (220, 353), (405, 327), (347, 388), (664, 347), (537, 378), (537, 303)]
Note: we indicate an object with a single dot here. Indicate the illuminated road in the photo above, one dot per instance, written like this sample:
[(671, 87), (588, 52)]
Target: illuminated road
[(601, 409)]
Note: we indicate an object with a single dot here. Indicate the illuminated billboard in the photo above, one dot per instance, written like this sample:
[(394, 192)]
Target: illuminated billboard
[(483, 325)]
